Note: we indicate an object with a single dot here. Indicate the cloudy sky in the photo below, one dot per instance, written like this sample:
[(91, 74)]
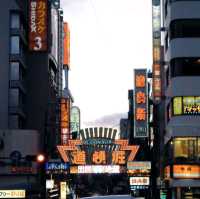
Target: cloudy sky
[(109, 38)]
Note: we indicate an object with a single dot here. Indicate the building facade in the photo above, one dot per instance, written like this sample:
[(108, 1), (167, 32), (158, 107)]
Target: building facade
[(31, 65), (180, 137)]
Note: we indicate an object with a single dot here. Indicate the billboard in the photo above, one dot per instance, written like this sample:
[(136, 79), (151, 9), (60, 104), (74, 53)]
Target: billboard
[(37, 25), (156, 72), (141, 104), (66, 46), (65, 120)]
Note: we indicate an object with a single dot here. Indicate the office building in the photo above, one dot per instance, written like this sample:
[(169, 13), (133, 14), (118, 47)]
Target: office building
[(179, 137), (31, 65)]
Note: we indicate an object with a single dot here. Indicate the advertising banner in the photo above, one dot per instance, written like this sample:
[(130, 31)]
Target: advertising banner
[(75, 120), (66, 44), (37, 25), (156, 72), (63, 190), (141, 104)]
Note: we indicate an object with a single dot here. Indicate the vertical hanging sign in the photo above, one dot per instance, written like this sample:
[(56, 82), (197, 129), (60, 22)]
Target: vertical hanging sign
[(156, 23), (38, 25), (141, 104)]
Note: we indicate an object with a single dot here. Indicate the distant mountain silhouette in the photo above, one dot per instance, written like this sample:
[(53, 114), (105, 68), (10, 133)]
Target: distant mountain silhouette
[(111, 121)]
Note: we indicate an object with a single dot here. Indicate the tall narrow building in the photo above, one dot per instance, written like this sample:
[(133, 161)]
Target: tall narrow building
[(180, 153), (31, 65)]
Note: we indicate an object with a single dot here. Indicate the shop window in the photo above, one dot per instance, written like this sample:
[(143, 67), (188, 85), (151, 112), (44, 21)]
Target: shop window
[(185, 148), (15, 20), (14, 45)]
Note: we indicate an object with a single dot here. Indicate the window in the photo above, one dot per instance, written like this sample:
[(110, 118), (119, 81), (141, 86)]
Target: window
[(14, 45), (14, 71), (15, 20), (189, 105), (185, 67), (185, 148), (177, 105), (185, 28), (14, 97), (14, 121)]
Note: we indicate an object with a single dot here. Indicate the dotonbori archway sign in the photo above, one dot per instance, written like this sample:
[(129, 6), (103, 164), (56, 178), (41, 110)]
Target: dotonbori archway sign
[(97, 152)]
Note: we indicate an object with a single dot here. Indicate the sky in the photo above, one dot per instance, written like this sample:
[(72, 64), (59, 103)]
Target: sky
[(109, 38)]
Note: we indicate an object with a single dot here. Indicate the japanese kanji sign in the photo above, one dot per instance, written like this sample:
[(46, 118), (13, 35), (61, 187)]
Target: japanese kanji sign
[(38, 25), (140, 104), (76, 156)]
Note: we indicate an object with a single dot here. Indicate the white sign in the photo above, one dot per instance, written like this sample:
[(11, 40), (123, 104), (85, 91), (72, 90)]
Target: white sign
[(12, 193), (63, 190), (99, 169), (49, 184), (138, 165), (139, 181)]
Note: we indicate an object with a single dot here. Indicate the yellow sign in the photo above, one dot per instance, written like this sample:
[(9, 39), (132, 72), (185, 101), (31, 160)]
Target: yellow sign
[(12, 193), (63, 190)]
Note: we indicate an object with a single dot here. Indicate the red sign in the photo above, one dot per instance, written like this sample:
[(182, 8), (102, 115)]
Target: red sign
[(38, 25)]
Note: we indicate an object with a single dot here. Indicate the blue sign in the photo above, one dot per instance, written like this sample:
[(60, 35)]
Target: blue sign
[(56, 166)]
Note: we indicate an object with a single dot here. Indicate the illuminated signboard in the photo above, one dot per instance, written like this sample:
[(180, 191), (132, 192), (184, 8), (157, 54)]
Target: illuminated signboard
[(156, 24), (38, 25), (186, 105), (95, 169), (66, 50), (63, 190), (139, 165), (167, 172), (12, 194), (65, 120), (23, 169), (186, 171), (73, 154), (139, 180), (56, 166), (140, 104), (75, 120)]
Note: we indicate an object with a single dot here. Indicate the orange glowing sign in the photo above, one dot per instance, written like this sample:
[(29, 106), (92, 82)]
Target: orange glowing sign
[(140, 114), (140, 81), (118, 157), (99, 157), (141, 104), (186, 171), (65, 119), (78, 157), (38, 25), (140, 97), (66, 50)]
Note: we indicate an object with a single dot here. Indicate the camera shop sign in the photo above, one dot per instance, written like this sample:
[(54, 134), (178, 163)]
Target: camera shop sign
[(76, 153)]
